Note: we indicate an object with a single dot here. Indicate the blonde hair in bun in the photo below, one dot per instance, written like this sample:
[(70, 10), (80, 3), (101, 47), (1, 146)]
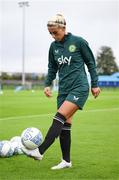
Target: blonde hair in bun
[(57, 20)]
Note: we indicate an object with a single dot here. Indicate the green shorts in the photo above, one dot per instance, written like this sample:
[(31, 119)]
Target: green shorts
[(78, 98)]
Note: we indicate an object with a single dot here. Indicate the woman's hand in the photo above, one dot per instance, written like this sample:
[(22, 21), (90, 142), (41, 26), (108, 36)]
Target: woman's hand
[(47, 91), (95, 91)]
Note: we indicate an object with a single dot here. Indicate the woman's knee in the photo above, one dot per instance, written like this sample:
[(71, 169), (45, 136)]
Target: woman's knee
[(69, 120)]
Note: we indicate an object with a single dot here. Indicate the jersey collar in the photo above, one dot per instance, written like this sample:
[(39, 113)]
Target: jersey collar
[(66, 37)]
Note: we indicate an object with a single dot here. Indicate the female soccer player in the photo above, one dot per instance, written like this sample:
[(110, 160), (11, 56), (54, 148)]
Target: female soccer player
[(68, 55)]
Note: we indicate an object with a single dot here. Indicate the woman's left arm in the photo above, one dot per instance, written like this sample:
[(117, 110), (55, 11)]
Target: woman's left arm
[(91, 64), (95, 91)]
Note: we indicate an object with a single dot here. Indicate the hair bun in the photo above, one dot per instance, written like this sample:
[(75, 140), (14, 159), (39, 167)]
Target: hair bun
[(57, 20)]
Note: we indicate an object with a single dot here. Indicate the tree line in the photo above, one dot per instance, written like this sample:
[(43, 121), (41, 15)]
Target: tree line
[(106, 64), (105, 60)]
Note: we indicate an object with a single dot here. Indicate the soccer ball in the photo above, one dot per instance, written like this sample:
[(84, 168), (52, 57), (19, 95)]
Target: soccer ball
[(6, 149), (31, 138), (17, 145)]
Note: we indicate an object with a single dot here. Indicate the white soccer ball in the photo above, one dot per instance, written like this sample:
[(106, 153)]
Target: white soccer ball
[(17, 145), (6, 149), (31, 138)]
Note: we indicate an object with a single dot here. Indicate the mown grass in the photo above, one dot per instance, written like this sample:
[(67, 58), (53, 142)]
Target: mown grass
[(95, 137)]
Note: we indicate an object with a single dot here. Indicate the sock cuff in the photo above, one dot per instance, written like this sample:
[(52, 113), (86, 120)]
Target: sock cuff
[(67, 126), (59, 117)]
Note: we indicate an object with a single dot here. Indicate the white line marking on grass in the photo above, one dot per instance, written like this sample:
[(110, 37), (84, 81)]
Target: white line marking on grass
[(51, 114), (99, 110), (27, 116)]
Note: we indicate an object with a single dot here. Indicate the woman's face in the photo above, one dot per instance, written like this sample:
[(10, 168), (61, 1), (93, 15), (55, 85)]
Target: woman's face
[(57, 32)]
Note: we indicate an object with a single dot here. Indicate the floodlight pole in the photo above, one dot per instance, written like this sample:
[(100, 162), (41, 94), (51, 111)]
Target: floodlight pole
[(23, 5)]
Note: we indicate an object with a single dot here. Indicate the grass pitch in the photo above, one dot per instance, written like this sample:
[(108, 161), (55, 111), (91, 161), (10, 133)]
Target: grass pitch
[(95, 137)]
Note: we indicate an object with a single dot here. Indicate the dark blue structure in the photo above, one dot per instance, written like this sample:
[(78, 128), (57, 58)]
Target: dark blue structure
[(109, 80)]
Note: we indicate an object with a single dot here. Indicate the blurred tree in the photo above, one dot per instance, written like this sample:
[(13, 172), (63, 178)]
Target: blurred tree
[(5, 76), (106, 64)]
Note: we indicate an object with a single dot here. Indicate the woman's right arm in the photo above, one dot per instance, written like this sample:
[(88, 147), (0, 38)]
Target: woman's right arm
[(52, 70)]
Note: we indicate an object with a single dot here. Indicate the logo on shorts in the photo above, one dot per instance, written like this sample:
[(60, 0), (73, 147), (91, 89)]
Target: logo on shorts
[(75, 98)]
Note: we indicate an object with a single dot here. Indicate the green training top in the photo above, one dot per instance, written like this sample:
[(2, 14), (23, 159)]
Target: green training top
[(68, 58)]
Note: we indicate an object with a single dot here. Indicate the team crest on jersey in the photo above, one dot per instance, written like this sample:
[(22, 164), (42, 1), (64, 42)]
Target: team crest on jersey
[(72, 48)]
